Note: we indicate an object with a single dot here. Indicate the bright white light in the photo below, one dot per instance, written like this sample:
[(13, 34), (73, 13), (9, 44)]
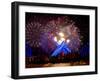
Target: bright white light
[(61, 40), (55, 39), (68, 40), (61, 34)]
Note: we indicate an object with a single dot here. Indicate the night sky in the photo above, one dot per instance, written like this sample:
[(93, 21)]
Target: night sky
[(42, 28)]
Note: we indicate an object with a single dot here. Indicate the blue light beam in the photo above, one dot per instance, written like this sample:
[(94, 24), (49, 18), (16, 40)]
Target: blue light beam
[(61, 48)]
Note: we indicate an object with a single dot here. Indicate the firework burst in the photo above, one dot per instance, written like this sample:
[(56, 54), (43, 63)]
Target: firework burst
[(54, 32)]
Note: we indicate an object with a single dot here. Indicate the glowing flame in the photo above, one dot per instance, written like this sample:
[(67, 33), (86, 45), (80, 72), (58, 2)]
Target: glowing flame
[(67, 40), (60, 40), (61, 34)]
